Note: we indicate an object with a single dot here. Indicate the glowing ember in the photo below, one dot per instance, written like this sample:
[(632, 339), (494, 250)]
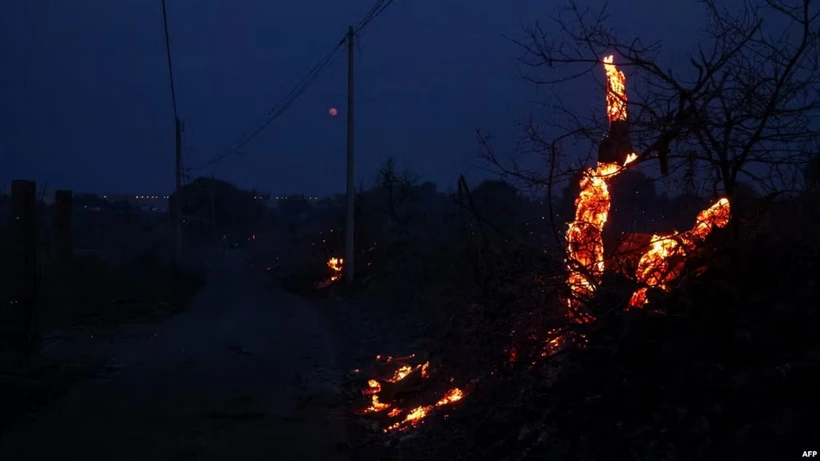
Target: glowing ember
[(413, 418), (416, 415), (664, 261), (336, 265), (453, 395), (559, 341), (404, 371), (616, 91), (401, 373), (374, 387), (375, 405), (373, 391)]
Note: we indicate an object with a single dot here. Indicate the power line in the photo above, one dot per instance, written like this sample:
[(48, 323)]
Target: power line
[(370, 14), (377, 9), (280, 108)]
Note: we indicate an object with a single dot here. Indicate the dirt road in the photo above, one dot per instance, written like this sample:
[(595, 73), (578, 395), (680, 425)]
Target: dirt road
[(248, 373)]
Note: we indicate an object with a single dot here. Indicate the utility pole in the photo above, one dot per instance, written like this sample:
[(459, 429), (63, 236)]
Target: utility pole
[(178, 140), (350, 252), (213, 207), (179, 207)]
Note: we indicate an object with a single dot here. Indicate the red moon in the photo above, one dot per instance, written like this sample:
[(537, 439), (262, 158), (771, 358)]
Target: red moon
[(333, 112)]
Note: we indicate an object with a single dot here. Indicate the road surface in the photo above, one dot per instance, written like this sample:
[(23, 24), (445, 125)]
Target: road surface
[(247, 373)]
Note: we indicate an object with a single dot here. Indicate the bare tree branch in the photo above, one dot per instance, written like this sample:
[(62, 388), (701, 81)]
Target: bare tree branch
[(746, 108)]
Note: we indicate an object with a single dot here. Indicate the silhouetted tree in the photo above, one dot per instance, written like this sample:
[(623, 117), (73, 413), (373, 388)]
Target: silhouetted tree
[(500, 203), (811, 173), (293, 206), (236, 211), (742, 111), (90, 201), (5, 209), (398, 186), (120, 206)]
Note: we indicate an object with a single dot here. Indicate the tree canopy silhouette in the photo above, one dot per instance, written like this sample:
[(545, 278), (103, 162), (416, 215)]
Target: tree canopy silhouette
[(233, 210)]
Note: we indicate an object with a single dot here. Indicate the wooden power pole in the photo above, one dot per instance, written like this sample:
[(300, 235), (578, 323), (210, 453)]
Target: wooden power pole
[(350, 252), (211, 187), (177, 211), (179, 204)]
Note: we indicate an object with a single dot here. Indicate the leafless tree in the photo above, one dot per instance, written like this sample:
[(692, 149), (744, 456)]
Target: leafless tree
[(741, 106), (398, 185)]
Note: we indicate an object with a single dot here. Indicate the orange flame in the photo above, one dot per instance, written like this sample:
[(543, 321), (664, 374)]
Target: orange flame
[(374, 387), (416, 415), (404, 371), (453, 395), (373, 391), (401, 373), (335, 264)]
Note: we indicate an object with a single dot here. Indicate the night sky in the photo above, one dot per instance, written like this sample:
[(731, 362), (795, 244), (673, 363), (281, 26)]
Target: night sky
[(87, 102)]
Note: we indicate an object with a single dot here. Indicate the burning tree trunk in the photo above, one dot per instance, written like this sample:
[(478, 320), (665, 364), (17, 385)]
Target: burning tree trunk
[(585, 245), (665, 257)]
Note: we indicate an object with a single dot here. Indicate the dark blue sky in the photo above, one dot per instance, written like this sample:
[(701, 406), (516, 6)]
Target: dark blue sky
[(87, 104)]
